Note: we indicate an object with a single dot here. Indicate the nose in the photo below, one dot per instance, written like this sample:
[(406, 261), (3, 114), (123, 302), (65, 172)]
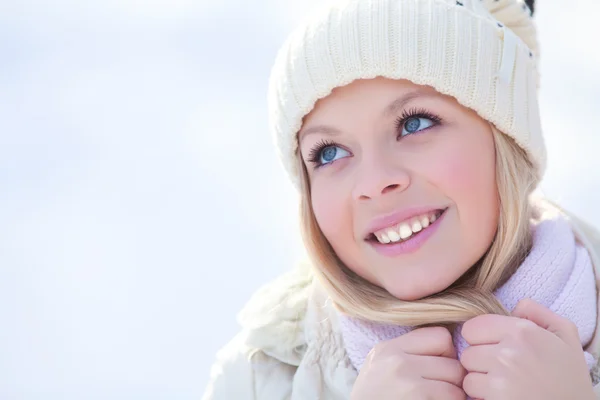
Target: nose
[(379, 177)]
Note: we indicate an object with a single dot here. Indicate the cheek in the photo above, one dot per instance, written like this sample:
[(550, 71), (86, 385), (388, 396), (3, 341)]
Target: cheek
[(330, 213), (464, 166), (467, 175)]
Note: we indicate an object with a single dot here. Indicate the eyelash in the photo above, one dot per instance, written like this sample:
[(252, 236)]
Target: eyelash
[(416, 113), (315, 153)]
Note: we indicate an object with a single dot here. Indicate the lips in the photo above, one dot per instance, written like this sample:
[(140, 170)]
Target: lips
[(410, 244)]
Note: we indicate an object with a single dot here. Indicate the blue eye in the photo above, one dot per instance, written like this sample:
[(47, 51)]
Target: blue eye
[(331, 153), (414, 121), (326, 152), (416, 124)]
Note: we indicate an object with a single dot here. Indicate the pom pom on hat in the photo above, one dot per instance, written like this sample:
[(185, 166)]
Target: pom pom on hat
[(531, 5)]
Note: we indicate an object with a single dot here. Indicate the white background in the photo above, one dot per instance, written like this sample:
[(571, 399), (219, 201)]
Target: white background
[(141, 201)]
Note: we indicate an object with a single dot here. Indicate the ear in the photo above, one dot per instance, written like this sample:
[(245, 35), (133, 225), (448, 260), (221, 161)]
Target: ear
[(531, 5)]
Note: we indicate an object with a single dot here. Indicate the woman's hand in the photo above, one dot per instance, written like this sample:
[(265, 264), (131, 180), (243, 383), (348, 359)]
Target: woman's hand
[(421, 365), (533, 355)]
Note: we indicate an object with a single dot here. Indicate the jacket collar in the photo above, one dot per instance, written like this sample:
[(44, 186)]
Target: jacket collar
[(274, 320)]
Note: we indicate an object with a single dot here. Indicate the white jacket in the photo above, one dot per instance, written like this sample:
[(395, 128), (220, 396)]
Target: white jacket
[(290, 345)]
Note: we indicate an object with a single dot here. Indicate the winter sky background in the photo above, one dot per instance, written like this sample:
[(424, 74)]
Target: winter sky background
[(141, 200)]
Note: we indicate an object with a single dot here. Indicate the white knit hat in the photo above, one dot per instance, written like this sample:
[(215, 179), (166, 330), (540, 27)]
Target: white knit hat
[(481, 52)]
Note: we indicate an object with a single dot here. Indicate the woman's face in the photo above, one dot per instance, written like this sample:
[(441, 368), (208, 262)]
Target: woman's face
[(402, 182)]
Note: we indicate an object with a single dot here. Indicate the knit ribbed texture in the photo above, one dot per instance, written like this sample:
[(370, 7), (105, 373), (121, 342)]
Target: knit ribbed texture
[(557, 274), (481, 52)]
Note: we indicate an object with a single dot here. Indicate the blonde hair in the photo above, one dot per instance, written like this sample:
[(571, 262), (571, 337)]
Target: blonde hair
[(472, 294)]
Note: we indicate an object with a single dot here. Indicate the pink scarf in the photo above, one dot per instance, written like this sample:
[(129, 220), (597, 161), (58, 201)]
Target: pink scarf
[(557, 273)]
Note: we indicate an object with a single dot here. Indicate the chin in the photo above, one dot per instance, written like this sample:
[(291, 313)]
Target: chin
[(417, 291), (407, 294)]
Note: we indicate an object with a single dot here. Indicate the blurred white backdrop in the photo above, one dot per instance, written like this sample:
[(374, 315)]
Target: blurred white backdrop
[(141, 200)]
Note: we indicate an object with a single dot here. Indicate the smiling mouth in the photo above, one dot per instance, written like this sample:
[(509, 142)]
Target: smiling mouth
[(405, 230)]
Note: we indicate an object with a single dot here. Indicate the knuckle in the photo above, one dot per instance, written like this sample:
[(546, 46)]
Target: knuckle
[(386, 359), (508, 356), (374, 354), (570, 326), (413, 387), (465, 358), (526, 304), (525, 329), (468, 382), (398, 363), (441, 334), (378, 347)]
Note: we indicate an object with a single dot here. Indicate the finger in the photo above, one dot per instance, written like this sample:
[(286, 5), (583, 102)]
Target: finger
[(479, 358), (431, 341), (441, 369), (476, 385), (545, 318), (444, 390), (488, 329)]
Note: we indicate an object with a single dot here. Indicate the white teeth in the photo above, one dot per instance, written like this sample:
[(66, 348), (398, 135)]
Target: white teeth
[(384, 238), (393, 235), (416, 226), (405, 231)]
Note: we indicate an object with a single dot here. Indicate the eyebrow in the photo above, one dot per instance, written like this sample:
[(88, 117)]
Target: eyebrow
[(390, 110), (402, 101)]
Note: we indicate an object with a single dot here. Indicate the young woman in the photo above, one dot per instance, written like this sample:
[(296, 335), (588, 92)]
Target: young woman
[(411, 129)]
